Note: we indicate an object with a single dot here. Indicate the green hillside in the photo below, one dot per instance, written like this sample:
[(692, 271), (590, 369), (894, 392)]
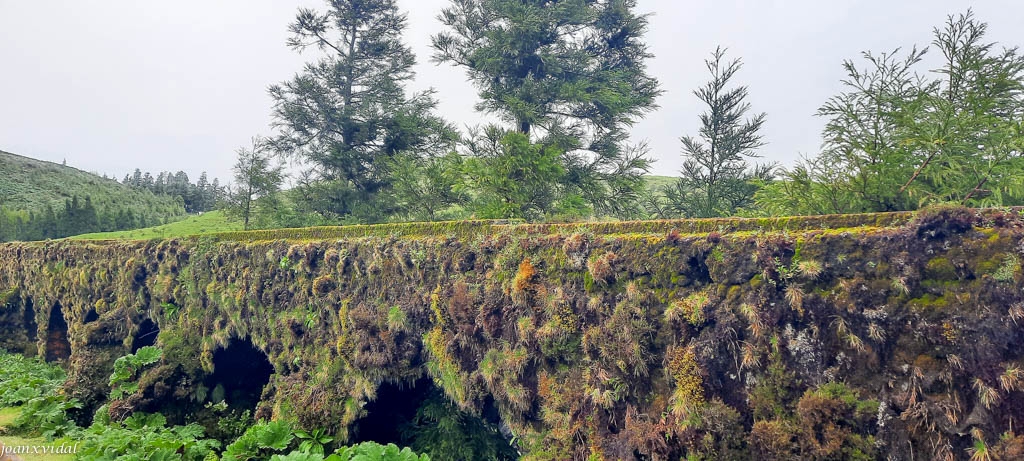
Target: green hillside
[(657, 183), (31, 184), (213, 221), (41, 200)]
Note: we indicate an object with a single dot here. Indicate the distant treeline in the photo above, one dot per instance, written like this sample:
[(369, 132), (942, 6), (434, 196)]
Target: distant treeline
[(198, 197), (78, 216)]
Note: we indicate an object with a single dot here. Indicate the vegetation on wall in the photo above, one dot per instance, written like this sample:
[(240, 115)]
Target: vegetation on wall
[(840, 337)]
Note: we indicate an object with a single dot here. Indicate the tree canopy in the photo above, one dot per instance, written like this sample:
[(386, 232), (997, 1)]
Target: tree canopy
[(896, 139), (346, 115), (570, 76)]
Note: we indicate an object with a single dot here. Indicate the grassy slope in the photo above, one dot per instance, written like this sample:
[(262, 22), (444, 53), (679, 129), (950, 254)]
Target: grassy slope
[(30, 184), (659, 182), (213, 221)]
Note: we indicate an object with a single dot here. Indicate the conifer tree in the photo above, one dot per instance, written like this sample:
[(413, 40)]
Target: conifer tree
[(716, 179), (346, 114), (569, 75)]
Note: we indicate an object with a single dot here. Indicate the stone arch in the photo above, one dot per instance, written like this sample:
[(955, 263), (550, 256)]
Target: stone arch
[(393, 418), (58, 347), (29, 321), (240, 373), (31, 327), (91, 316)]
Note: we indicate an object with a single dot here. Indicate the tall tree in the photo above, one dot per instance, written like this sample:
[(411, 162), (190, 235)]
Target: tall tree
[(965, 134), (347, 114), (716, 179), (570, 75), (257, 178), (897, 140)]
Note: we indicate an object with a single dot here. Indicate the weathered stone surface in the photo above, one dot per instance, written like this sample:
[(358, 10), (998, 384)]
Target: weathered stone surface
[(818, 338)]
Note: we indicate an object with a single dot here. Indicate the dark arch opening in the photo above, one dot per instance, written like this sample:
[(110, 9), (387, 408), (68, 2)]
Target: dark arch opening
[(58, 348), (91, 316), (31, 326), (240, 372), (419, 414), (145, 336)]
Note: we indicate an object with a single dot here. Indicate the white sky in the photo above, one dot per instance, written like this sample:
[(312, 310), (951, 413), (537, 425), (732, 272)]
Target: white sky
[(111, 85)]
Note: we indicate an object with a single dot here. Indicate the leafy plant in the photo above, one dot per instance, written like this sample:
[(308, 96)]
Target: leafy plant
[(126, 369), (313, 442), (366, 451), (170, 310), (24, 379), (260, 440), (46, 416), (372, 451), (146, 437)]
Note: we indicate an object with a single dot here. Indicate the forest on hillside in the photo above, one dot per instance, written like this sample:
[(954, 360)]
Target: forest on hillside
[(41, 200)]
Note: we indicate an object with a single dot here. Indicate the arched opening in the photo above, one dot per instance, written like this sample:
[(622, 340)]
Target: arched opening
[(145, 336), (31, 346), (421, 416), (394, 409), (91, 316), (58, 348), (240, 372), (31, 326)]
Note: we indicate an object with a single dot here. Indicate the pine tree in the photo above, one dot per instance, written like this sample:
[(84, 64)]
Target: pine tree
[(570, 75), (898, 139), (347, 114), (256, 179), (716, 179)]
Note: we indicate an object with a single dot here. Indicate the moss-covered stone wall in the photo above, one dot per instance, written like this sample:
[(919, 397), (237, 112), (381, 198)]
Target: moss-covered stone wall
[(843, 337)]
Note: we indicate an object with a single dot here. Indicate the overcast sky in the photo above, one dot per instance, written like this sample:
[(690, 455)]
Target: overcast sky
[(111, 85)]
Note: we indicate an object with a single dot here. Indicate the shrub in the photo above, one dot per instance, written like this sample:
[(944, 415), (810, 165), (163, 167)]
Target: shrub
[(834, 422), (775, 439), (692, 309), (576, 248), (522, 283), (686, 374)]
